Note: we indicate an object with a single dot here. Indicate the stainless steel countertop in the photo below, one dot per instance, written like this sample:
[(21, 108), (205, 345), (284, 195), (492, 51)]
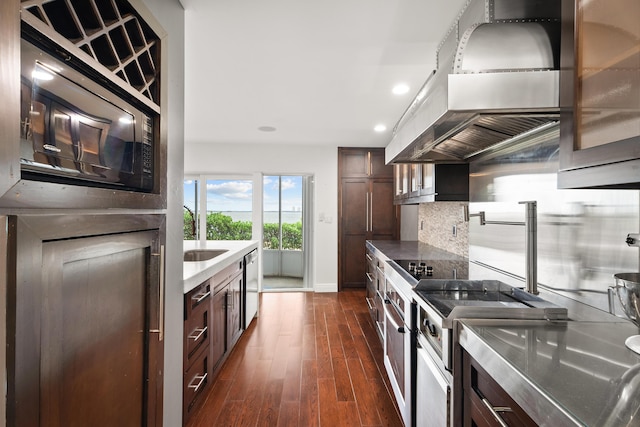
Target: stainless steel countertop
[(562, 373)]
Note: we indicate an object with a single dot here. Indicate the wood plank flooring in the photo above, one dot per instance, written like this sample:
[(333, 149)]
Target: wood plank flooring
[(309, 360)]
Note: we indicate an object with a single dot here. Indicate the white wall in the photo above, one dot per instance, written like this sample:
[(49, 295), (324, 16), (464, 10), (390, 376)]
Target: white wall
[(170, 15), (273, 159)]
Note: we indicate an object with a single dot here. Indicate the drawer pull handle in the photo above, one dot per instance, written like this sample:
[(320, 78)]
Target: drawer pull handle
[(495, 411), (371, 308), (197, 299), (200, 332), (201, 380), (369, 277)]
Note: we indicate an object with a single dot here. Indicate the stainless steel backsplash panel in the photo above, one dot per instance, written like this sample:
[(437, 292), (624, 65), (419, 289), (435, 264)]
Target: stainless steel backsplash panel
[(581, 233)]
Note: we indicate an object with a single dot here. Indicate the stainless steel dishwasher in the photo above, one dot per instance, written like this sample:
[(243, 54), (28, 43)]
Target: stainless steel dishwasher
[(250, 292)]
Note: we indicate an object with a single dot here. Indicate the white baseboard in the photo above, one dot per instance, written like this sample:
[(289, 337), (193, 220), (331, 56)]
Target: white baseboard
[(325, 287)]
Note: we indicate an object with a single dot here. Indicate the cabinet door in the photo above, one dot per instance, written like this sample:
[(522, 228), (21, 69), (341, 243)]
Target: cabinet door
[(378, 168), (363, 162), (354, 224), (234, 312), (218, 344), (600, 94), (383, 214), (95, 310), (353, 162)]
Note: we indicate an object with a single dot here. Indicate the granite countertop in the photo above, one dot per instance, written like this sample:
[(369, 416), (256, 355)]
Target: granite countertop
[(194, 273), (562, 373)]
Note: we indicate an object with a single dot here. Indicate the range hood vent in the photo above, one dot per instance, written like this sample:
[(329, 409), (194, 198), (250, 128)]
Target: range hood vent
[(498, 81)]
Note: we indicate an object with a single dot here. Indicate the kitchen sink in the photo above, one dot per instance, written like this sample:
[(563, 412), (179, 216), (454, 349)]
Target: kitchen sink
[(195, 255)]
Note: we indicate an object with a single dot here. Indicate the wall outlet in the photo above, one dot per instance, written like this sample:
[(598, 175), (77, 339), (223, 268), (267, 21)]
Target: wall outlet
[(455, 230)]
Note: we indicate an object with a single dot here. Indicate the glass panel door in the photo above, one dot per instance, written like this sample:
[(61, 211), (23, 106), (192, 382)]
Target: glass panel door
[(283, 232)]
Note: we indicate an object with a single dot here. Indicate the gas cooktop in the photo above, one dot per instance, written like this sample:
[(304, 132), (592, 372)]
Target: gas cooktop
[(434, 268)]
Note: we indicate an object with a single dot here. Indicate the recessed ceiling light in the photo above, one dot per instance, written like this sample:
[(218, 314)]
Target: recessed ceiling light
[(267, 129), (400, 89), (380, 128)]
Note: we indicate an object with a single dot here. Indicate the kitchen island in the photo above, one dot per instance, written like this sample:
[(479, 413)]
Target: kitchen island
[(194, 273), (220, 301)]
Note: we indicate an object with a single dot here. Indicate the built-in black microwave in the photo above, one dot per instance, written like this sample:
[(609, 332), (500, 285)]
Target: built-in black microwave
[(75, 126)]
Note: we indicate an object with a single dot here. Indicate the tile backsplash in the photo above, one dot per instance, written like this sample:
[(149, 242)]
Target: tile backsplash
[(442, 224)]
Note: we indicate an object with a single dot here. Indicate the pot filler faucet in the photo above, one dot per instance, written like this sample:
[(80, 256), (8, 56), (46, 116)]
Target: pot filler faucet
[(531, 239)]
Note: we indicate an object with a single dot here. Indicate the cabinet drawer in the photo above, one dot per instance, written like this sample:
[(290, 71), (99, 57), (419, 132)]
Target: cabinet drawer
[(222, 278), (196, 380), (199, 296), (488, 403), (196, 331)]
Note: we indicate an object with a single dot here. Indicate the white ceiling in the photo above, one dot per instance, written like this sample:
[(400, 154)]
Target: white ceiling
[(320, 72)]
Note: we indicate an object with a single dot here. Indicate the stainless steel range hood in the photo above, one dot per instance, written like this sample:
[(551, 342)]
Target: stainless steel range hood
[(497, 81)]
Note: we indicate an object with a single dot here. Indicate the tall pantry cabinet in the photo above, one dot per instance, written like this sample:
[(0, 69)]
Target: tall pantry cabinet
[(366, 210)]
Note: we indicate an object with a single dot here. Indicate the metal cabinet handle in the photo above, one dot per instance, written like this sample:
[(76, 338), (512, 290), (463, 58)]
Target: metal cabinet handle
[(369, 277), (201, 380), (368, 257), (495, 411), (160, 330), (371, 308), (371, 212), (396, 326), (366, 215), (197, 299), (197, 333)]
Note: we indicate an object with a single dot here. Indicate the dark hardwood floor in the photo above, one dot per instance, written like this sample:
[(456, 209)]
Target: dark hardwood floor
[(309, 360)]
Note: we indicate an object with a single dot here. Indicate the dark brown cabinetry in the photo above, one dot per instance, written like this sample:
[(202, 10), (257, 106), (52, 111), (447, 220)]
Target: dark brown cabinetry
[(84, 324), (600, 94), (197, 333), (366, 210), (218, 327), (212, 326), (375, 289), (485, 403), (234, 311), (428, 182)]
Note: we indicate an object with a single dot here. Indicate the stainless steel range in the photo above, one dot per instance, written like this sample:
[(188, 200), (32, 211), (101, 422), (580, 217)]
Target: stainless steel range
[(441, 302), (440, 295)]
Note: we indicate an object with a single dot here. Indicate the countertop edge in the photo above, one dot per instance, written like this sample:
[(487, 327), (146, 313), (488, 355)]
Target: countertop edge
[(533, 400), (195, 273)]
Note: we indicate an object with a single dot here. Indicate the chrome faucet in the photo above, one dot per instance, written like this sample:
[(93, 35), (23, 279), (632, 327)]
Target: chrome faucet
[(531, 240)]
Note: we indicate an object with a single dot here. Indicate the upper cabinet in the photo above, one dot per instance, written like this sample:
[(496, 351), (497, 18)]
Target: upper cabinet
[(359, 162), (428, 182), (600, 94)]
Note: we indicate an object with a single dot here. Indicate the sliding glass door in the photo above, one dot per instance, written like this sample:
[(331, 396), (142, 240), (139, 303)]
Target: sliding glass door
[(284, 231)]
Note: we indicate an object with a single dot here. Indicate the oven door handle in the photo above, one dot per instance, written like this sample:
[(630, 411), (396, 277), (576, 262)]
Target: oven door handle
[(391, 320)]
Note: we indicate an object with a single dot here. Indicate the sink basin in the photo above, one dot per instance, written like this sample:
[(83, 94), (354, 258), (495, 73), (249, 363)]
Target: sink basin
[(202, 254)]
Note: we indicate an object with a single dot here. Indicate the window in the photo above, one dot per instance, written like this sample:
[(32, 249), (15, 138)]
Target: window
[(228, 204), (229, 209), (191, 209)]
